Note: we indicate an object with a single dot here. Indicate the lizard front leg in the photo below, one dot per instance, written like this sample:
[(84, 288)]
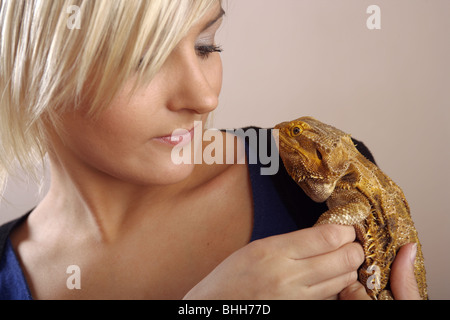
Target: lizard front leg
[(346, 207), (351, 208)]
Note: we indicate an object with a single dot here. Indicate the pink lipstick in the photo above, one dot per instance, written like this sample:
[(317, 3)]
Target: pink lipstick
[(179, 137)]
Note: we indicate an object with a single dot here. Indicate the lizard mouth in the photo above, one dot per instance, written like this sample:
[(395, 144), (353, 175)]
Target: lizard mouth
[(297, 175), (287, 145)]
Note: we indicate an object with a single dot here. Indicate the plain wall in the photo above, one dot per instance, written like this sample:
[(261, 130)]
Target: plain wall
[(389, 88)]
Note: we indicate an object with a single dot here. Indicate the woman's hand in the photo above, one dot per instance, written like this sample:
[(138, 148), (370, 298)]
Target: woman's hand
[(403, 281), (315, 263)]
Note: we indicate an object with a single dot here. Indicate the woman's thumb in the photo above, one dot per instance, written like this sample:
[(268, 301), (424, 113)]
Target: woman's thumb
[(403, 282)]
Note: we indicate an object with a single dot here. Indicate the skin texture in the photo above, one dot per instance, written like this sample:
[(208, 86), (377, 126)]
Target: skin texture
[(140, 227)]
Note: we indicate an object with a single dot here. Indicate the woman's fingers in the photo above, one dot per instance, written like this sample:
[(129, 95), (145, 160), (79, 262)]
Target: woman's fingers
[(355, 291), (331, 288), (403, 281), (332, 265), (314, 241), (315, 263)]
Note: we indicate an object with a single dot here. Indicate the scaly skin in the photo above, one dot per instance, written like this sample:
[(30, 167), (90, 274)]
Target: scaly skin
[(327, 166)]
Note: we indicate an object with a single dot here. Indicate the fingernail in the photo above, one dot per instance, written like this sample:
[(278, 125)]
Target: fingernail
[(413, 253)]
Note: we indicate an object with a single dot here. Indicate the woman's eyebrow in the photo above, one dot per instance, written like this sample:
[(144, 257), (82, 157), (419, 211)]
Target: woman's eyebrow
[(217, 18)]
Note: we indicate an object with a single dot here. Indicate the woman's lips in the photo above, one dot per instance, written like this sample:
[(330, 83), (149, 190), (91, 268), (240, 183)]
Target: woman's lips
[(179, 137)]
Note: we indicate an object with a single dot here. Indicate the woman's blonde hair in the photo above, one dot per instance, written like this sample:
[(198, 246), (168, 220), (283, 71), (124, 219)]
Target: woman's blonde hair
[(59, 55)]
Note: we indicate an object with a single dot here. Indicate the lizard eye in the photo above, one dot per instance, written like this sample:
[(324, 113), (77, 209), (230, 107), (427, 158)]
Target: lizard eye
[(296, 131)]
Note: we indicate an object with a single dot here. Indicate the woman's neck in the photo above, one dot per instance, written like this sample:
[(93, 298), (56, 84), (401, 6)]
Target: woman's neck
[(103, 204)]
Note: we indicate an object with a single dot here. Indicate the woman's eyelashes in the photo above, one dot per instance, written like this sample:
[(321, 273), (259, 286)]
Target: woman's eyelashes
[(203, 51)]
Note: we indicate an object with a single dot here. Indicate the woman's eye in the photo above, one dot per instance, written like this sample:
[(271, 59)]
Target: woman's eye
[(204, 51)]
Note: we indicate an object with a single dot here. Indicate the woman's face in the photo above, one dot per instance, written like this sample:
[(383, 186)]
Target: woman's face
[(126, 140)]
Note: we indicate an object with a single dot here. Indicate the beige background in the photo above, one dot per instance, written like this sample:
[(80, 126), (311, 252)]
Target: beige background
[(390, 88)]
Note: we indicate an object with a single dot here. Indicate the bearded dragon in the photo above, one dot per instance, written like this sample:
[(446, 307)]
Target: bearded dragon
[(327, 166)]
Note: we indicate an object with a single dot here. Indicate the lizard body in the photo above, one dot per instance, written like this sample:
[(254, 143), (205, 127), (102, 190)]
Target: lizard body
[(326, 164)]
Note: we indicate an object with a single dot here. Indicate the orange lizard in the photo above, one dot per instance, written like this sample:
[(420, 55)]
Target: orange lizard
[(325, 163)]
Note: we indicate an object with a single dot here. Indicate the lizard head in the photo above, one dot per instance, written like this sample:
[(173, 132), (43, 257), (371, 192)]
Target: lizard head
[(315, 155)]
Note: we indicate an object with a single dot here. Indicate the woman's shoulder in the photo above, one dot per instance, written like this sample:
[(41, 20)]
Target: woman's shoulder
[(13, 285), (6, 229)]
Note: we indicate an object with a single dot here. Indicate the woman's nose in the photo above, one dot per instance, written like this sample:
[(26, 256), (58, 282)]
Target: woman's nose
[(190, 88)]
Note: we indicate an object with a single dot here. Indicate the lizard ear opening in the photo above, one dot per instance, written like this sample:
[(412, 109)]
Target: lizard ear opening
[(319, 155)]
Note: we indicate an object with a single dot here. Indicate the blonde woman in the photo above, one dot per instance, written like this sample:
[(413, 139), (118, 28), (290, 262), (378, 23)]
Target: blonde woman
[(99, 87)]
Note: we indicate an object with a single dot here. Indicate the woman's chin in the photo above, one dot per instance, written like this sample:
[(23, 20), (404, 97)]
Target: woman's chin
[(165, 175), (173, 174)]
